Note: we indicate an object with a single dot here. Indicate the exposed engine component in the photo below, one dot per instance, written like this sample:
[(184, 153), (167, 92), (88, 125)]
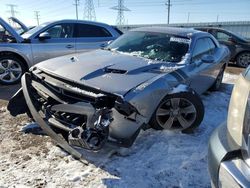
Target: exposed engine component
[(92, 138)]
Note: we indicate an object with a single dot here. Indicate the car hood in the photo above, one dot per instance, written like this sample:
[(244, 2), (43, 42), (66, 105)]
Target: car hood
[(11, 30), (108, 71), (21, 24)]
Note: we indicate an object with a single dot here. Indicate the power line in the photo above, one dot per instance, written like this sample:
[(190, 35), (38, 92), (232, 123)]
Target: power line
[(89, 10), (120, 8), (76, 5), (12, 10), (37, 16)]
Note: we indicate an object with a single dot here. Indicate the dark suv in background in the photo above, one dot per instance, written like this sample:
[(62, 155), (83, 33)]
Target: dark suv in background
[(238, 46)]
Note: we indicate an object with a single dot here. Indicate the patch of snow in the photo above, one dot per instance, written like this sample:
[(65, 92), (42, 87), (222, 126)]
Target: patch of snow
[(179, 88)]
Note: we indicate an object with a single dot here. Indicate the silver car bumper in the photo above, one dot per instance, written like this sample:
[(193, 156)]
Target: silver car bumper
[(226, 167), (234, 173)]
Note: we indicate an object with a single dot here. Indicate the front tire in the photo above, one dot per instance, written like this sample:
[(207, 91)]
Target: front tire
[(243, 59), (180, 111), (11, 70)]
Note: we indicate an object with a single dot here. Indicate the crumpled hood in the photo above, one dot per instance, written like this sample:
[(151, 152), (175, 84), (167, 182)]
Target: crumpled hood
[(105, 70)]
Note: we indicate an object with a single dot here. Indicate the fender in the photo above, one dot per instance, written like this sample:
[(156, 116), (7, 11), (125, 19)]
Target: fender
[(22, 50)]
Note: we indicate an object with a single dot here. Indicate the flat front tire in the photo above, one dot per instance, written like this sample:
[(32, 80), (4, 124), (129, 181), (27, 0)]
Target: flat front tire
[(180, 111)]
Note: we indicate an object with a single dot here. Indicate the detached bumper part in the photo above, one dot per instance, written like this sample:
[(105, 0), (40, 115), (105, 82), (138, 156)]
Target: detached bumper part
[(17, 104), (26, 83)]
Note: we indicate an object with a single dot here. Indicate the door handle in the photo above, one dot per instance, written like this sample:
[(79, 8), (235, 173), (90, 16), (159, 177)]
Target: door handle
[(69, 46)]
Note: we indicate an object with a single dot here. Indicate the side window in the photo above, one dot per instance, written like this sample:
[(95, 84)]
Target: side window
[(221, 36), (61, 31), (211, 44), (87, 30), (201, 47)]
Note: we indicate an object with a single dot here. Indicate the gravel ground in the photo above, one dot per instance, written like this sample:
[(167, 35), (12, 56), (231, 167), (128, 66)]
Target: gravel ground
[(157, 159)]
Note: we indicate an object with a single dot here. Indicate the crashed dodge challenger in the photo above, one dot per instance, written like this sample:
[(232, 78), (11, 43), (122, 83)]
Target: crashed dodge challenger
[(147, 78)]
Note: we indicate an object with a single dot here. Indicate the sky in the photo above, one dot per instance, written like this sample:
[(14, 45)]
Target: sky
[(141, 11)]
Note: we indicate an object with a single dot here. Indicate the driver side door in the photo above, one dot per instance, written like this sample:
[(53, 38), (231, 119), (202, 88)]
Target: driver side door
[(61, 42), (204, 74)]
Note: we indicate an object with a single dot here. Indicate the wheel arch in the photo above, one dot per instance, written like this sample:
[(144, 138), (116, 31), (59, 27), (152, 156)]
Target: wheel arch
[(239, 53), (17, 55), (161, 90)]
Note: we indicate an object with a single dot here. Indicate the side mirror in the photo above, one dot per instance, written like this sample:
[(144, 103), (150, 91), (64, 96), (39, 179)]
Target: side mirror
[(109, 42), (105, 44), (44, 36), (207, 59)]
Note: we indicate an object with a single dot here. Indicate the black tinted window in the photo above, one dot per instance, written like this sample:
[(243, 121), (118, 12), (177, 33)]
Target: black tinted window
[(118, 30), (61, 31), (86, 30)]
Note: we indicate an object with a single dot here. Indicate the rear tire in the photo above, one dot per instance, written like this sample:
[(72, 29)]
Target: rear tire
[(180, 111), (11, 70), (218, 81)]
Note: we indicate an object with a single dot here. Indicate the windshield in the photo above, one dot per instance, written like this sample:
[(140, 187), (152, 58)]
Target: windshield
[(34, 30), (157, 46)]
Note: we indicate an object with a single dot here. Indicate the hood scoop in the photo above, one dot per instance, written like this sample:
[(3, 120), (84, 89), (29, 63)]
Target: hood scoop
[(115, 71), (102, 71)]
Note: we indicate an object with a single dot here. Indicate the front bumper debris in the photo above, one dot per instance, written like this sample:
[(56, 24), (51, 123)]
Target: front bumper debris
[(26, 83), (76, 116)]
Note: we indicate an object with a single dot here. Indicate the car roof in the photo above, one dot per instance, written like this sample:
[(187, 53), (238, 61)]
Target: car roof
[(215, 28), (184, 32), (78, 21)]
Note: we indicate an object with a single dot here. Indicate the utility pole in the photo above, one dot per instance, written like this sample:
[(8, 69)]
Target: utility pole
[(89, 10), (120, 20), (37, 16), (188, 17), (76, 4), (168, 5), (217, 19), (12, 10)]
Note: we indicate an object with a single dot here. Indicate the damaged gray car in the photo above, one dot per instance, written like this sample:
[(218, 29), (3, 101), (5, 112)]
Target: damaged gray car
[(147, 78)]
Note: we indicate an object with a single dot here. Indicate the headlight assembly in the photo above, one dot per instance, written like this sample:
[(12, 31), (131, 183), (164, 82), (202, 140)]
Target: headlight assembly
[(237, 109)]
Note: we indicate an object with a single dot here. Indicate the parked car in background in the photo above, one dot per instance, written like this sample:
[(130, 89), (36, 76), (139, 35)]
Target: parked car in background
[(147, 78), (19, 26), (238, 46), (18, 52), (229, 146)]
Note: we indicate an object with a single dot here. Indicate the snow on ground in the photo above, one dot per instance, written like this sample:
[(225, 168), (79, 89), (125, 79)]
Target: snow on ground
[(157, 158)]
